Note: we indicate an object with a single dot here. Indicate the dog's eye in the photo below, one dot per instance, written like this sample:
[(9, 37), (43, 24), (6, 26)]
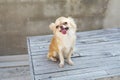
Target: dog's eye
[(57, 26), (64, 23)]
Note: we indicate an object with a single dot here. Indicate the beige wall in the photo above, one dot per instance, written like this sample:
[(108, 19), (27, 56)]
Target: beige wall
[(112, 18), (22, 18)]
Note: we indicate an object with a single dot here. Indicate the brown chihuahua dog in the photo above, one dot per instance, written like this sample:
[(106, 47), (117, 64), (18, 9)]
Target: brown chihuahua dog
[(63, 41)]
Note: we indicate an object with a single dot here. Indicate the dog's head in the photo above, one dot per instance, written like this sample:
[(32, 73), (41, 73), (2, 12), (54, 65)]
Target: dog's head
[(63, 25)]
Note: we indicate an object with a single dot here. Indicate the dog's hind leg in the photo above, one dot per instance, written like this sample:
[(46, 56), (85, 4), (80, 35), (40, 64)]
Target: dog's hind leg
[(52, 56)]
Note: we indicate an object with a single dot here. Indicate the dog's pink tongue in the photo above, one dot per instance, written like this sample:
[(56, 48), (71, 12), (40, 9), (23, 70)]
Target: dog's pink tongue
[(63, 31)]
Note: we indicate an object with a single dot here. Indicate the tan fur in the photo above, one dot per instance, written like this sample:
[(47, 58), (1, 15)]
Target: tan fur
[(62, 45)]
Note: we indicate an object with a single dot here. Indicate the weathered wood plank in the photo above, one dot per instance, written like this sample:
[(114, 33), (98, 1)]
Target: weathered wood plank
[(45, 47), (88, 33), (52, 67), (13, 64), (99, 32), (113, 71), (85, 50), (101, 46), (13, 58), (26, 77), (77, 71), (15, 73), (82, 76), (42, 58), (109, 77), (104, 37)]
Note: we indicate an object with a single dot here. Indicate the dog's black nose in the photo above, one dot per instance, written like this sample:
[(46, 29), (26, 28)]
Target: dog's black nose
[(67, 28)]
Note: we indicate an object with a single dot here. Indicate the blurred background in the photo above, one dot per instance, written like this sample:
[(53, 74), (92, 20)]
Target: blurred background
[(22, 18)]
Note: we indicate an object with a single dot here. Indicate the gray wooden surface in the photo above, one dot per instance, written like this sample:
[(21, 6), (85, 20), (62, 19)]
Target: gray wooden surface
[(97, 55)]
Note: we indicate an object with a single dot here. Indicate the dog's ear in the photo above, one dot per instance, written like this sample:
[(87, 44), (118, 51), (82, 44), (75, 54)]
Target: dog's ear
[(52, 26), (72, 22)]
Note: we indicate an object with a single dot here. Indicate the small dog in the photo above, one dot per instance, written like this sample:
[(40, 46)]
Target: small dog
[(63, 41)]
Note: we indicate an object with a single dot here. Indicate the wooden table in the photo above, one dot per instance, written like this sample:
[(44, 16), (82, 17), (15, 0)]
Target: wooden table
[(97, 55)]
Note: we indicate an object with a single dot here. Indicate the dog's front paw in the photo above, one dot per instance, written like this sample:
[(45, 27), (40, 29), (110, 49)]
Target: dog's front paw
[(54, 59), (70, 62), (61, 65)]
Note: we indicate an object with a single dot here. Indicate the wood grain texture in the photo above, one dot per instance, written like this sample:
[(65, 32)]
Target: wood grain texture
[(97, 55), (13, 61)]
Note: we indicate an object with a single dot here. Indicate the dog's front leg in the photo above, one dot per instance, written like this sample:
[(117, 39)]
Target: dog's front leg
[(61, 58), (69, 61)]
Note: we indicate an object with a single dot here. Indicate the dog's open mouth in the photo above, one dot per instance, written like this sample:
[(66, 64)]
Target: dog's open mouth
[(64, 30)]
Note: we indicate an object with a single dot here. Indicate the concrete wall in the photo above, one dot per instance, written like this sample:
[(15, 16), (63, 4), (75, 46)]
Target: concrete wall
[(112, 18), (22, 18)]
